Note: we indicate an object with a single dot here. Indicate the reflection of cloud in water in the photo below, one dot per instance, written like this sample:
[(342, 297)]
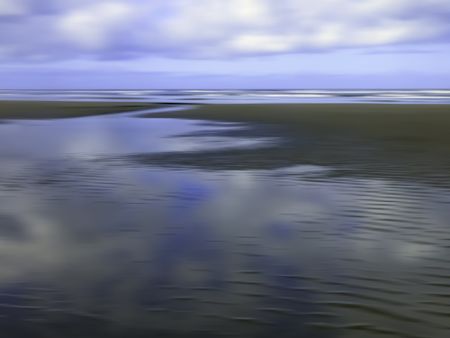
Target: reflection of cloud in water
[(251, 251)]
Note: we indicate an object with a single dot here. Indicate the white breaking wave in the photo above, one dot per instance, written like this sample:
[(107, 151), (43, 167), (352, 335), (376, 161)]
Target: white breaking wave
[(438, 96)]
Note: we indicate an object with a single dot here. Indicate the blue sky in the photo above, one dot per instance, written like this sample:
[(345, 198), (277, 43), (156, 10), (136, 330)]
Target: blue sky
[(224, 44)]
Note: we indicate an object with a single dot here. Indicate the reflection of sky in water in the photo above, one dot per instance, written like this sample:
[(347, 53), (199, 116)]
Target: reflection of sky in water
[(88, 245)]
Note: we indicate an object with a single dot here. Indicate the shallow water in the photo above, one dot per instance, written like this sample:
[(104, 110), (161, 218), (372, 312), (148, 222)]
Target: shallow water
[(118, 226)]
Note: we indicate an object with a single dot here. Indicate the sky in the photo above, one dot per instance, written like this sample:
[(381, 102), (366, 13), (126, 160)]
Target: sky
[(267, 44)]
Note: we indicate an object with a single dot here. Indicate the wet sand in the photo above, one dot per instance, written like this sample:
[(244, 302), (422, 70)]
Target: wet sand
[(121, 226), (64, 109), (411, 122), (406, 142)]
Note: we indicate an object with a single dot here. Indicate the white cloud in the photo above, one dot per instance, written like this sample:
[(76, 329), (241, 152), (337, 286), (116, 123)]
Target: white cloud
[(254, 43), (12, 8), (94, 26), (216, 28)]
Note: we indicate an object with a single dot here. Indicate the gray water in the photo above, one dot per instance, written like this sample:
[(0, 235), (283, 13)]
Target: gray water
[(120, 226), (429, 96)]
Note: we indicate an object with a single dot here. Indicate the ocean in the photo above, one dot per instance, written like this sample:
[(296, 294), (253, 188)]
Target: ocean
[(441, 96)]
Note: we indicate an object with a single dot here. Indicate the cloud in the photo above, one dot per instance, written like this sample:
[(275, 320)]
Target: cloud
[(51, 29), (11, 8), (94, 27)]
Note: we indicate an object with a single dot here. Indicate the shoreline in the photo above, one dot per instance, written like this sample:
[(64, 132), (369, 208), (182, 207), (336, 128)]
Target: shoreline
[(398, 122), (396, 142), (26, 109)]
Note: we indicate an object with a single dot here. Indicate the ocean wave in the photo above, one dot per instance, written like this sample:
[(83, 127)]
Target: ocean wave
[(441, 96)]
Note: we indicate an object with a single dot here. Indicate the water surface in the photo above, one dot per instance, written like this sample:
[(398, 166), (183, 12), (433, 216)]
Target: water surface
[(428, 96), (119, 226)]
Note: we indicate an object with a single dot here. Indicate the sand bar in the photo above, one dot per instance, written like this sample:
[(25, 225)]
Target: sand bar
[(407, 122), (65, 109)]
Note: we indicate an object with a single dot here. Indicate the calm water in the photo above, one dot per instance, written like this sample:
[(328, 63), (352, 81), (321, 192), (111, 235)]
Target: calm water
[(120, 226)]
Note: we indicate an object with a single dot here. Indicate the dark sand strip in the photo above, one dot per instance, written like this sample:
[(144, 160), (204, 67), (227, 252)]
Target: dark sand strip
[(395, 142), (405, 122), (61, 109)]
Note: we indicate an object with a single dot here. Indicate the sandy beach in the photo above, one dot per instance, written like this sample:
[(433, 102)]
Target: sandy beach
[(399, 122), (402, 122), (367, 140), (269, 216), (225, 169), (64, 109)]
